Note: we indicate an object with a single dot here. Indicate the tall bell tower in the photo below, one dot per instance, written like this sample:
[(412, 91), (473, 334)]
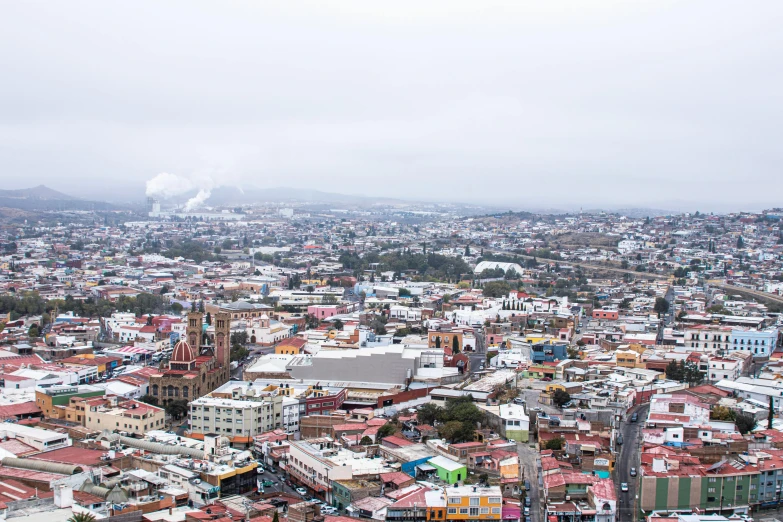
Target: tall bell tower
[(195, 330), (222, 347)]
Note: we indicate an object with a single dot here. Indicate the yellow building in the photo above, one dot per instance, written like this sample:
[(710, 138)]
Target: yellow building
[(474, 503)]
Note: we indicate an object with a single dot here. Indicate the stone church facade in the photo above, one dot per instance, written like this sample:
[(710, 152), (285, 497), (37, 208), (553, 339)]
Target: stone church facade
[(195, 369)]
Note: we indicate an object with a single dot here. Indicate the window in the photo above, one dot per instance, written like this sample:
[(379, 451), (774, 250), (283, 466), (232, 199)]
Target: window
[(710, 490), (495, 511), (484, 511), (463, 511), (455, 500), (474, 501), (452, 511), (474, 511), (494, 500)]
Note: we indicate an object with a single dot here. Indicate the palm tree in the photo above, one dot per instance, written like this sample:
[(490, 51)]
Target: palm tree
[(82, 517)]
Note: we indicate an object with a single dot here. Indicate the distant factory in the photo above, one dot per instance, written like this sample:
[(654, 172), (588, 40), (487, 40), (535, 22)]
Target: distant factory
[(154, 211)]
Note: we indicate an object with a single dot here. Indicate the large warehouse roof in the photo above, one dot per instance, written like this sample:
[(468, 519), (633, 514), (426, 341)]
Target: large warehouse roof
[(490, 265)]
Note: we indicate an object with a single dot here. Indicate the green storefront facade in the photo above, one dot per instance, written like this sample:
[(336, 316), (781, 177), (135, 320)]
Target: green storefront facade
[(723, 493)]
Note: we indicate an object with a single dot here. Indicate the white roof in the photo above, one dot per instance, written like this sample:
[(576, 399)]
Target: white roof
[(447, 464)]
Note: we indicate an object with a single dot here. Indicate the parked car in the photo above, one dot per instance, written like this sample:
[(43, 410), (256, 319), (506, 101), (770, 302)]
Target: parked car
[(624, 487), (268, 483), (633, 472), (527, 501), (527, 510), (301, 491), (619, 439), (519, 400), (527, 485), (546, 379), (328, 510)]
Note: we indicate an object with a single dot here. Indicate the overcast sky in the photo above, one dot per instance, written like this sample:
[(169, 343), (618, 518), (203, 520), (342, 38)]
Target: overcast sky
[(666, 104)]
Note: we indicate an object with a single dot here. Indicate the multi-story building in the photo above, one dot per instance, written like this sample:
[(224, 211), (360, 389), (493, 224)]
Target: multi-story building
[(473, 503), (117, 414), (315, 463), (761, 343), (238, 420)]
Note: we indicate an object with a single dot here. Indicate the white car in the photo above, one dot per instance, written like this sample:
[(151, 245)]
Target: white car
[(301, 491)]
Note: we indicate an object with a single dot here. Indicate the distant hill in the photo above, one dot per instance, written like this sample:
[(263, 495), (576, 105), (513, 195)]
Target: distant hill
[(45, 198), (235, 196), (40, 192)]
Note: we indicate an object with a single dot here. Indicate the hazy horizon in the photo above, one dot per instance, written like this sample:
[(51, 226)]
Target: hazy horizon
[(671, 105)]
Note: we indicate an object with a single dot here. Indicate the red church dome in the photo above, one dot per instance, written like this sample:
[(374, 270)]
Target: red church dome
[(183, 353)]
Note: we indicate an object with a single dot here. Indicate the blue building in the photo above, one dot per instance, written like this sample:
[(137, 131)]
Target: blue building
[(761, 343), (545, 352)]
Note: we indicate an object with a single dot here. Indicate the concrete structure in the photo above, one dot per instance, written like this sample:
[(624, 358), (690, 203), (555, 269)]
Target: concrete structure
[(448, 470)]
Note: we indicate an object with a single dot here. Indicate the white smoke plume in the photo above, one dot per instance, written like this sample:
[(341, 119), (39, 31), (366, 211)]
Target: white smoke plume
[(166, 186), (198, 200)]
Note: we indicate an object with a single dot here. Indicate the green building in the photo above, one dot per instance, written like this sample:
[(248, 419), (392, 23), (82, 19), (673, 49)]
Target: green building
[(726, 487), (448, 470)]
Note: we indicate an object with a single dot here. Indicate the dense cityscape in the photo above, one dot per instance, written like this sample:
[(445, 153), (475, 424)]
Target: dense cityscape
[(406, 363)]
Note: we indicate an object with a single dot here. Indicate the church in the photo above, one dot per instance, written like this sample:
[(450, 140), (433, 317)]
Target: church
[(195, 369)]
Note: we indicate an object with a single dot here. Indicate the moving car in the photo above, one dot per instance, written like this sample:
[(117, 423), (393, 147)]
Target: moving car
[(633, 472), (268, 483), (624, 487), (634, 417), (519, 400)]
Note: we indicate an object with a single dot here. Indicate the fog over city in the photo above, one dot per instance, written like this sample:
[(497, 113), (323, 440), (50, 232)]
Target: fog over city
[(568, 104)]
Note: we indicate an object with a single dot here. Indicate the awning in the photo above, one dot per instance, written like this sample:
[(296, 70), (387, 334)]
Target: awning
[(425, 467)]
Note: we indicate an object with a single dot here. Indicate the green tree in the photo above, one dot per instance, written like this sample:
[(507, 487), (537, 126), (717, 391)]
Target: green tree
[(661, 305), (554, 444), (674, 371), (745, 422), (366, 441), (385, 431), (722, 413), (338, 324), (455, 346), (238, 352), (428, 413), (771, 412), (149, 399), (740, 242), (82, 517), (560, 397), (208, 319), (437, 341), (177, 408), (33, 330), (451, 431), (497, 289)]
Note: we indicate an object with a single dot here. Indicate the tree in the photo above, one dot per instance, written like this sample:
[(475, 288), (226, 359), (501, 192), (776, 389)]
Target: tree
[(177, 408), (338, 324), (176, 308), (33, 331), (455, 346), (745, 422), (385, 431), (82, 517), (467, 250), (239, 352), (276, 517), (771, 412), (554, 444), (497, 289), (740, 242), (674, 371), (560, 397), (366, 441), (661, 306), (310, 289), (450, 430), (428, 413), (149, 399), (208, 319), (722, 413)]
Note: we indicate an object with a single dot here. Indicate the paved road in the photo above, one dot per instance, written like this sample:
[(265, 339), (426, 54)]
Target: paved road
[(530, 461), (742, 290), (630, 453)]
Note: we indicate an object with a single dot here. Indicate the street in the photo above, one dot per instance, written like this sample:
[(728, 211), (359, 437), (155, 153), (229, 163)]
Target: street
[(530, 461), (629, 457)]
